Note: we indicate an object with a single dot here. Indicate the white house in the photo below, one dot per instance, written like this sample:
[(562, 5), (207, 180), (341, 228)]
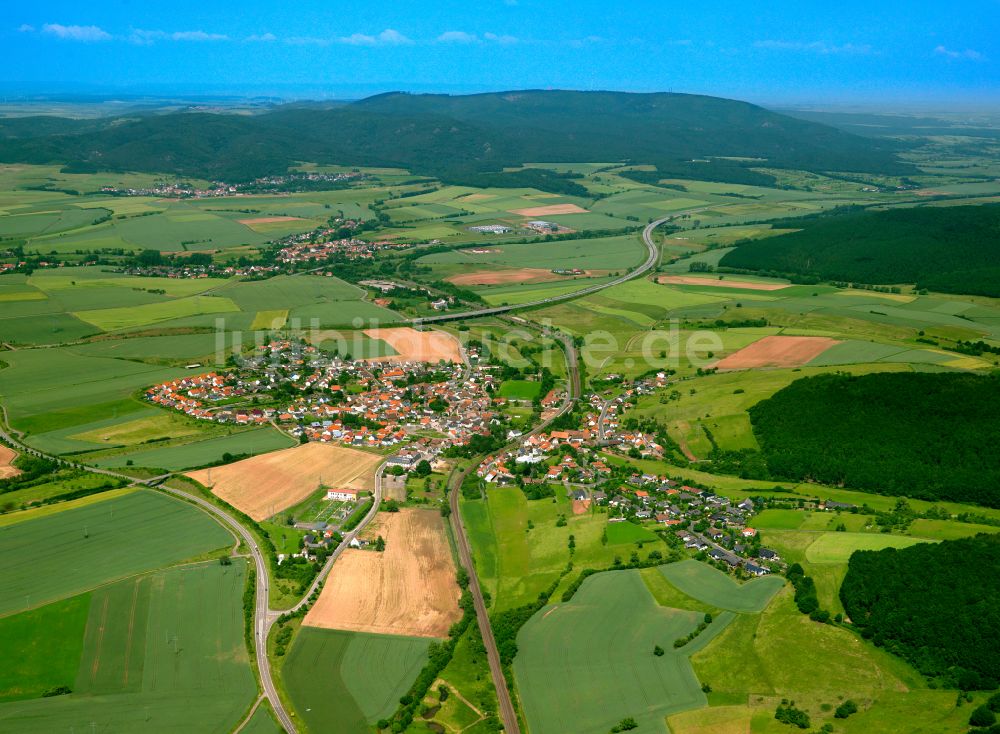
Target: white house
[(345, 494)]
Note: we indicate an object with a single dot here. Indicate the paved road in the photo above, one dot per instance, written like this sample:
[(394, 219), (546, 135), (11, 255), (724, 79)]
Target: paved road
[(345, 543), (507, 713), (264, 616), (602, 431), (652, 259)]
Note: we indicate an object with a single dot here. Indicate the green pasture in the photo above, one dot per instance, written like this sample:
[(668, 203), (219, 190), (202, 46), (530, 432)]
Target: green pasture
[(590, 661), (516, 561), (711, 586), (91, 544), (200, 453), (627, 532), (838, 547), (351, 678), (781, 653), (161, 653), (520, 389), (42, 648)]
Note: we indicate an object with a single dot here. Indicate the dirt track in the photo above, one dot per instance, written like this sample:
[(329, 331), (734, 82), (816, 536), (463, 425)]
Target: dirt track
[(408, 589), (264, 485), (777, 351), (417, 346)]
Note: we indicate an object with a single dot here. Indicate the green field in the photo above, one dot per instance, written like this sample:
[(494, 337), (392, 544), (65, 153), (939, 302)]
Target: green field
[(516, 562), (161, 653), (200, 453), (351, 678), (37, 663), (591, 661), (520, 389), (711, 586), (780, 653), (838, 547), (99, 542)]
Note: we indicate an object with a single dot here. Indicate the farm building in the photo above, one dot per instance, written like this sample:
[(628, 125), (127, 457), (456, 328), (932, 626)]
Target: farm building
[(345, 494)]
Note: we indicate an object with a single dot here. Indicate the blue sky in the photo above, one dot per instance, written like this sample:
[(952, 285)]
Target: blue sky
[(771, 50)]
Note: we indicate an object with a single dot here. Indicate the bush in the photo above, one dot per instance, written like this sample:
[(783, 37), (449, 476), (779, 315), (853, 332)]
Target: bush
[(845, 709), (983, 716)]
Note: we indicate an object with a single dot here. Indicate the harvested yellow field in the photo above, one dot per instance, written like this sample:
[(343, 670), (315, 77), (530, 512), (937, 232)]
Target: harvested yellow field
[(408, 589), (264, 485), (418, 346)]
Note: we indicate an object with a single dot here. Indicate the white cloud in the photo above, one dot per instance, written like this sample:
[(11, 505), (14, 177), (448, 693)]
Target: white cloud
[(25, 28), (494, 38), (146, 37), (818, 47), (388, 37), (86, 33), (264, 37), (966, 54), (457, 37)]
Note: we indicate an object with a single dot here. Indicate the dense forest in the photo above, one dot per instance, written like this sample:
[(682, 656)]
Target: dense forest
[(930, 436), (950, 249), (936, 605), (458, 138)]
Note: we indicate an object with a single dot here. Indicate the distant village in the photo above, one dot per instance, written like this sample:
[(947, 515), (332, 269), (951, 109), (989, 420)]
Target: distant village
[(263, 185)]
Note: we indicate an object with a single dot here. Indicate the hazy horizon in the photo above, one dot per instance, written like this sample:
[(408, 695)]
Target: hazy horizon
[(853, 54)]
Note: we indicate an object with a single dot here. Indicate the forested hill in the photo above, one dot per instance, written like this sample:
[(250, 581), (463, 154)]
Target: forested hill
[(948, 249), (931, 436), (936, 605), (458, 137)]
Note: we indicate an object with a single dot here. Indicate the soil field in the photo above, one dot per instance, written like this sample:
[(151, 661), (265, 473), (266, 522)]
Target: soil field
[(264, 485), (418, 346), (777, 351), (717, 283), (408, 589), (7, 456), (543, 211), (581, 507), (500, 277)]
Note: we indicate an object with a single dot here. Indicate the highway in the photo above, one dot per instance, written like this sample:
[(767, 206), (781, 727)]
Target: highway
[(508, 714), (265, 617), (652, 259)]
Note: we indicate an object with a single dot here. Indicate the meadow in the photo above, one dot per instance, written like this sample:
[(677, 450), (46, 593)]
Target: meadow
[(351, 678), (717, 589), (93, 543), (521, 546), (759, 659)]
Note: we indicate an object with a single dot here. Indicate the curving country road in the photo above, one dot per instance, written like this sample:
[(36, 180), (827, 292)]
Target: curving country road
[(264, 616), (651, 260)]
